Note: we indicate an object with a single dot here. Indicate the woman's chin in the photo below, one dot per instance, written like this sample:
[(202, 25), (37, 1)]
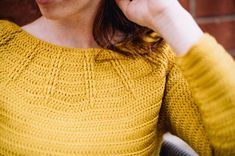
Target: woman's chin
[(45, 2), (51, 13)]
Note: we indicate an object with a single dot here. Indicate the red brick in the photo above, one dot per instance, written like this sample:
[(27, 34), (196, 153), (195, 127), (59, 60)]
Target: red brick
[(214, 7), (222, 31)]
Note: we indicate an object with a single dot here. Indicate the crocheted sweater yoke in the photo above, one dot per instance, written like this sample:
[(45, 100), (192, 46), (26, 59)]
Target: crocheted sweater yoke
[(56, 100)]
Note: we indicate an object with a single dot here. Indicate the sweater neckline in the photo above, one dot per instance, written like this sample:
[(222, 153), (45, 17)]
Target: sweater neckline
[(25, 40), (48, 45)]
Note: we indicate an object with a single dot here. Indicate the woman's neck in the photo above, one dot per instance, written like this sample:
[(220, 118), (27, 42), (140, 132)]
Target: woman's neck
[(69, 32)]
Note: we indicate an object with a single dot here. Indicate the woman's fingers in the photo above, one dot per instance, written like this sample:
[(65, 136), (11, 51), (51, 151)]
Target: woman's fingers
[(123, 4)]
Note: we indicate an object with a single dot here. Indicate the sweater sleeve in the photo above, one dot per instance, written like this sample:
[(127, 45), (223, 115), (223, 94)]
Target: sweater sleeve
[(199, 101)]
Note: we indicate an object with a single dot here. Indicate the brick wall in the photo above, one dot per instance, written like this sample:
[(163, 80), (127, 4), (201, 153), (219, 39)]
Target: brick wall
[(214, 16), (19, 11)]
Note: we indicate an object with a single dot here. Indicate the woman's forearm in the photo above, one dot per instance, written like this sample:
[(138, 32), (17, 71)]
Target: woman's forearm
[(166, 17)]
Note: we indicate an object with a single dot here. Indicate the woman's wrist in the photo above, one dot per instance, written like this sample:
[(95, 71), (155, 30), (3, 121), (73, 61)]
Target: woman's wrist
[(177, 27)]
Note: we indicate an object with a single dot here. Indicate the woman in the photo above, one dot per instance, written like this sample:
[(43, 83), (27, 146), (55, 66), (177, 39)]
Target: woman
[(88, 78)]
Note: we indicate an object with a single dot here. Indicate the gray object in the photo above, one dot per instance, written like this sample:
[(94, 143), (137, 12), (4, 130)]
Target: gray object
[(174, 146)]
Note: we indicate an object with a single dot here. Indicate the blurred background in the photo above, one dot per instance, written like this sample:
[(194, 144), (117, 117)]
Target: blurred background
[(216, 17)]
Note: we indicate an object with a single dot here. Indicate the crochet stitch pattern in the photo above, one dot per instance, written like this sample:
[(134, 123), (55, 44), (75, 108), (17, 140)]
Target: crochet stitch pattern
[(56, 100)]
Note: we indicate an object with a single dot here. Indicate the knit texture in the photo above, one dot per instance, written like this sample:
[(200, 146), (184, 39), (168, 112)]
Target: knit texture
[(56, 100)]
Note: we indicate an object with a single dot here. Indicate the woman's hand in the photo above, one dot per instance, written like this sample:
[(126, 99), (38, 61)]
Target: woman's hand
[(143, 12), (167, 17)]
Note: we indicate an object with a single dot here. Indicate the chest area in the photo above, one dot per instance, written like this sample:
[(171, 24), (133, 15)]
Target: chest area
[(79, 83), (111, 105)]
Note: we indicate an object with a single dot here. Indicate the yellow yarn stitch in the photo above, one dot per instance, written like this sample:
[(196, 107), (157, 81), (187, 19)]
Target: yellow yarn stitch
[(56, 100)]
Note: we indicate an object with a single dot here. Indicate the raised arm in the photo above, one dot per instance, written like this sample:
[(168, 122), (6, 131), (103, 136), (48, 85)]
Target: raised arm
[(204, 106)]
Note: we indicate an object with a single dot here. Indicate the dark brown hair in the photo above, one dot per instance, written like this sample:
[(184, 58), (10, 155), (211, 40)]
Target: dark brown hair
[(110, 21)]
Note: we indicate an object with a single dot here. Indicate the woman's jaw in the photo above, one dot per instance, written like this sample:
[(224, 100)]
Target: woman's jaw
[(65, 9)]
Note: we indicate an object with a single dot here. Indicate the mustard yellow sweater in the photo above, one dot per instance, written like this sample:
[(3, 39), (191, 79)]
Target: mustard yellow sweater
[(63, 101)]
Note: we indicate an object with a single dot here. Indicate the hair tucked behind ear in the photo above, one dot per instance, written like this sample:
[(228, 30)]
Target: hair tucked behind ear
[(135, 39)]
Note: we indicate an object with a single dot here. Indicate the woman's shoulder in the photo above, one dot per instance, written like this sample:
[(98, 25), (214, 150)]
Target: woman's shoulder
[(4, 23), (163, 55), (7, 31), (6, 26)]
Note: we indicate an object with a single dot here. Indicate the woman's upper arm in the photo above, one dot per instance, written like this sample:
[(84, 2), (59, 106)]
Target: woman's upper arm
[(209, 84), (210, 71), (181, 115)]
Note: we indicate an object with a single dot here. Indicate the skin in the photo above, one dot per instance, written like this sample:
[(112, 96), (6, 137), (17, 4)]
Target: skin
[(69, 22), (168, 18), (66, 23)]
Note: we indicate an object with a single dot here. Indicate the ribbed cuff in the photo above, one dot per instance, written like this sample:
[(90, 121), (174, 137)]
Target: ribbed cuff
[(209, 69)]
